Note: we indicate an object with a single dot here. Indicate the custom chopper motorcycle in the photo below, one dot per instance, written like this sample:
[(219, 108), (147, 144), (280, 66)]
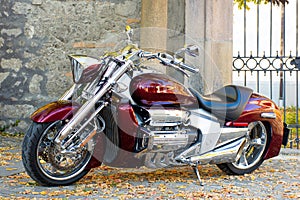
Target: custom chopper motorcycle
[(122, 113)]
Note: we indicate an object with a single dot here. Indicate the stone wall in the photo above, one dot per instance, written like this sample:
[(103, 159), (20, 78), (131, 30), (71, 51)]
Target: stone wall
[(37, 35), (35, 38)]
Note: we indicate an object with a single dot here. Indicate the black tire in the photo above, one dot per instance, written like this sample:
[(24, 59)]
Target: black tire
[(38, 154), (252, 155)]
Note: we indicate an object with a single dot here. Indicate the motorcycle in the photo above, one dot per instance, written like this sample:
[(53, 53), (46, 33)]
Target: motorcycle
[(122, 113)]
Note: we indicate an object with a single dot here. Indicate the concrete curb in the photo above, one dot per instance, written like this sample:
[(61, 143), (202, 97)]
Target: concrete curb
[(287, 151)]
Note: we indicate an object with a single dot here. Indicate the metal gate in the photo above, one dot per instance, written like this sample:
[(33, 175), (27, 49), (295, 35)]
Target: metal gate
[(266, 59)]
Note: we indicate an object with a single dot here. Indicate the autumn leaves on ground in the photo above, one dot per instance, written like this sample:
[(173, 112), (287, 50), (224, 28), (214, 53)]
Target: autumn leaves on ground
[(275, 179)]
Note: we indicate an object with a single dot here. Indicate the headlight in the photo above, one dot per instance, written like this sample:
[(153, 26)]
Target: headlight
[(77, 70), (84, 68)]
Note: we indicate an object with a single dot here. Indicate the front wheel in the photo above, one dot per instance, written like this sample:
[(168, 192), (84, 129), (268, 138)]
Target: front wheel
[(46, 163), (253, 152)]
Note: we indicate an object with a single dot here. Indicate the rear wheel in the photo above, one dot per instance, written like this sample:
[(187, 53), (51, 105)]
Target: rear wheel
[(46, 163), (252, 155)]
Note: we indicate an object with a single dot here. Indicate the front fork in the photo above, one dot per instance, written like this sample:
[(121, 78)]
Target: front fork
[(69, 93), (86, 109)]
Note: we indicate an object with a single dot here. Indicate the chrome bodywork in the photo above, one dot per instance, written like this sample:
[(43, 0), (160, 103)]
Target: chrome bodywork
[(223, 154)]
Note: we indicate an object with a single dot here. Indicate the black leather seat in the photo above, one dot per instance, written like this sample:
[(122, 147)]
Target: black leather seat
[(226, 103)]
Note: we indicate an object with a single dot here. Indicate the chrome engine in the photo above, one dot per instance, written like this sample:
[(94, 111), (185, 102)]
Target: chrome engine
[(168, 117), (164, 135)]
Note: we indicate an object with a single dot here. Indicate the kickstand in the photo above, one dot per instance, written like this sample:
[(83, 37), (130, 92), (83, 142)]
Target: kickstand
[(195, 168)]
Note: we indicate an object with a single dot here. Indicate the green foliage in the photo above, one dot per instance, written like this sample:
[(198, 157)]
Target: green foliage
[(4, 128), (241, 3), (291, 115)]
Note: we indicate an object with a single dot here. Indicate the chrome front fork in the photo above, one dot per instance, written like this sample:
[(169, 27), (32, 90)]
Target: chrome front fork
[(86, 109), (68, 94)]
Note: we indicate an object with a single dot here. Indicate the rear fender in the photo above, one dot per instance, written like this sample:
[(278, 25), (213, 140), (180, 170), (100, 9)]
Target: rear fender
[(58, 110), (257, 105)]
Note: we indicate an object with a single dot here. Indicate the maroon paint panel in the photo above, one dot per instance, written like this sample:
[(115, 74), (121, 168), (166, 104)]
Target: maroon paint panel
[(127, 126), (99, 152), (258, 104), (160, 90), (58, 110)]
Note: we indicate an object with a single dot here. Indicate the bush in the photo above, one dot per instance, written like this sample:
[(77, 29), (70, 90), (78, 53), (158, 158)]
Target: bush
[(291, 116)]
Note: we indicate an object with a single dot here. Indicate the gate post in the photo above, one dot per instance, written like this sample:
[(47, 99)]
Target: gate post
[(210, 22), (162, 23), (205, 22), (154, 14)]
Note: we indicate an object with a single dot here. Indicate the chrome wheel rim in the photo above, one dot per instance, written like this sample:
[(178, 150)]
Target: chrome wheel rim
[(53, 163), (255, 145)]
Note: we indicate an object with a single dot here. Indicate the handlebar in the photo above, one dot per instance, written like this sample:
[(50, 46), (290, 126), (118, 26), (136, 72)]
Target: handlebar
[(168, 60)]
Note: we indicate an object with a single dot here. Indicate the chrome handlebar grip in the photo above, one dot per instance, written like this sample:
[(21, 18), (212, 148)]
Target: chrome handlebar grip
[(169, 60)]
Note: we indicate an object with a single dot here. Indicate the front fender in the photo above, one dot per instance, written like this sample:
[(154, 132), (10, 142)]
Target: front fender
[(58, 110)]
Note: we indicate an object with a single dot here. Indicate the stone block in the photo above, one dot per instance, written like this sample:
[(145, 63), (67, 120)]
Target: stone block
[(37, 2), (128, 8), (12, 32), (13, 63), (16, 111), (3, 76), (1, 42), (35, 84)]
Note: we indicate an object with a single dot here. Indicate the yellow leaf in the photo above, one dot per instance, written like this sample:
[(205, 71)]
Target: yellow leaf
[(35, 193), (180, 195), (43, 192), (42, 162), (10, 168)]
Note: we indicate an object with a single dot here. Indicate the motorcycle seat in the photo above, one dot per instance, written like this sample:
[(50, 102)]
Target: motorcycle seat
[(227, 103)]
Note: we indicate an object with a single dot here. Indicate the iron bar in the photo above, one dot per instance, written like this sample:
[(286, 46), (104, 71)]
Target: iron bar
[(284, 96), (245, 78), (297, 74), (297, 108), (257, 81), (245, 27), (257, 29), (297, 15), (271, 27), (271, 84)]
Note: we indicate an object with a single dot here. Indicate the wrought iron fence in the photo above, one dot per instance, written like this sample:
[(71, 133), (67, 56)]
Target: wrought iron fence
[(276, 76), (270, 76)]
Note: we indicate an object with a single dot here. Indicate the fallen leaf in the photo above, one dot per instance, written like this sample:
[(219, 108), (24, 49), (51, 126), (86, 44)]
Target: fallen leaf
[(10, 169)]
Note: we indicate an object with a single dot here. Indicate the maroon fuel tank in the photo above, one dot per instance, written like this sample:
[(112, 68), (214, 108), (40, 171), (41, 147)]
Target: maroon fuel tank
[(160, 90)]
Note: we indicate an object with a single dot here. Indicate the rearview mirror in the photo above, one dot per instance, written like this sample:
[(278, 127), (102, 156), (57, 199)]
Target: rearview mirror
[(191, 50)]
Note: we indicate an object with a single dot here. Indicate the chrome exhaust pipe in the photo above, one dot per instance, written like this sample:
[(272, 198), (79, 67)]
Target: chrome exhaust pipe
[(224, 154)]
